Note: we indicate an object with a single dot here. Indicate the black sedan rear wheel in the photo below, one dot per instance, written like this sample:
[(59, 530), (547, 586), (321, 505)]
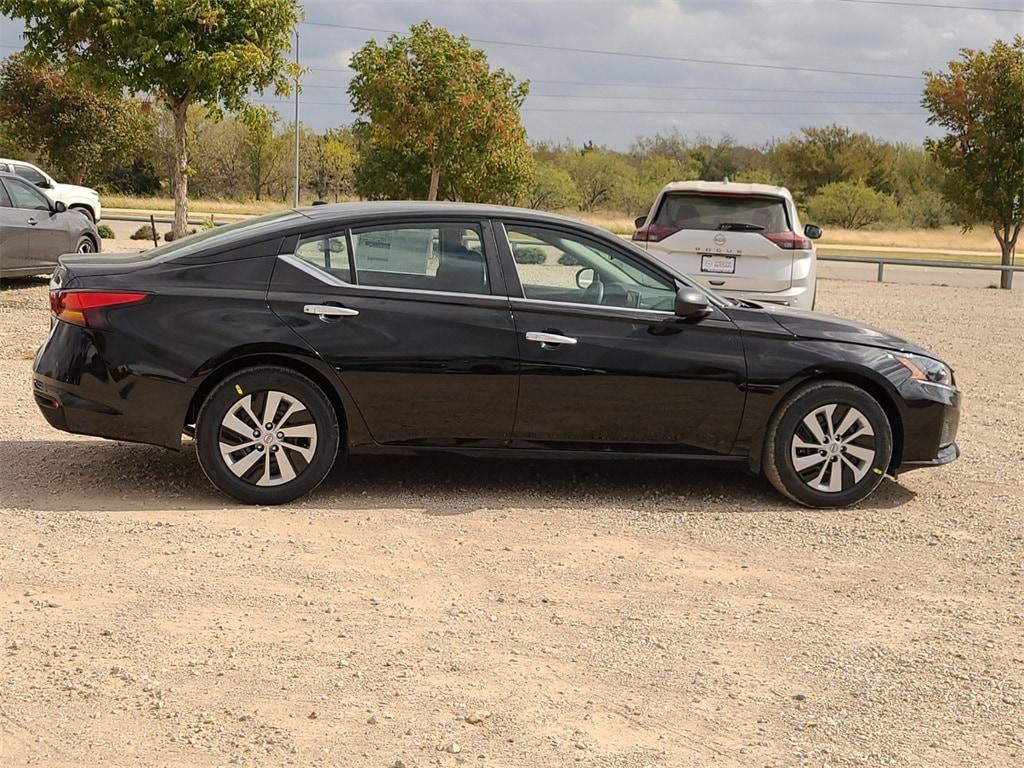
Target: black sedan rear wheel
[(266, 435), (829, 445)]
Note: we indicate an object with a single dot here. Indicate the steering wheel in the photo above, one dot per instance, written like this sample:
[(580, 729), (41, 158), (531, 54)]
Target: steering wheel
[(594, 293)]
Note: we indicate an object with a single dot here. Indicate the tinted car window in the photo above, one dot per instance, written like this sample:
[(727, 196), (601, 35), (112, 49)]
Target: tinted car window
[(25, 196), (435, 257), (5, 200), (556, 266), (328, 252), (698, 211), (223, 237), (30, 174)]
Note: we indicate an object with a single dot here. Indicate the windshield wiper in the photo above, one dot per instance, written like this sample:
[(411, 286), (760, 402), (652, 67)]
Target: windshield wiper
[(740, 226)]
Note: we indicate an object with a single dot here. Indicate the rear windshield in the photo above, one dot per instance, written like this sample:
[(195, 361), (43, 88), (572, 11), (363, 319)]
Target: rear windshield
[(222, 236), (724, 212)]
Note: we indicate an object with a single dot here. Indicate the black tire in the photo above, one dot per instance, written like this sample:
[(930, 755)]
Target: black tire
[(789, 439), (255, 384), (85, 244)]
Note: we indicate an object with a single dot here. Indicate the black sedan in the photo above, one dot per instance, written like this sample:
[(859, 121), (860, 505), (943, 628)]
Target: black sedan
[(483, 330), (34, 231)]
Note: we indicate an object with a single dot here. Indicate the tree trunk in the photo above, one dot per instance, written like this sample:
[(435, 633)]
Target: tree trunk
[(435, 177), (1006, 278), (180, 181)]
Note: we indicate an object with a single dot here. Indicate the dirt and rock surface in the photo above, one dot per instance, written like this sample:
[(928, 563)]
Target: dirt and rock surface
[(449, 612)]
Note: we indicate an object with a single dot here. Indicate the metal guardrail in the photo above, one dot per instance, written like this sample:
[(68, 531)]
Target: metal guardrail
[(883, 262)]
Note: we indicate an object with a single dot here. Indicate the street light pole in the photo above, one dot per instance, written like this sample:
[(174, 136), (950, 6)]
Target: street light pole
[(296, 203)]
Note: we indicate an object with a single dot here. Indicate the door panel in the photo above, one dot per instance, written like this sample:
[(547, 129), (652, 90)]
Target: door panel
[(423, 367), (628, 374), (48, 232), (629, 382)]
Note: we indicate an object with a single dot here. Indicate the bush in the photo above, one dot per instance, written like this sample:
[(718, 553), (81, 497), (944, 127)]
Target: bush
[(925, 210), (529, 254), (143, 233), (568, 260), (105, 232), (170, 235), (852, 205)]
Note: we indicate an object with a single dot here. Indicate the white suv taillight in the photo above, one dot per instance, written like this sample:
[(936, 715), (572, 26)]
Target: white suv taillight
[(789, 241)]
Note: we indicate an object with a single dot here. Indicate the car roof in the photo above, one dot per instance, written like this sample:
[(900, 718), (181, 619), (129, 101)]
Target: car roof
[(352, 213), (429, 208), (727, 187)]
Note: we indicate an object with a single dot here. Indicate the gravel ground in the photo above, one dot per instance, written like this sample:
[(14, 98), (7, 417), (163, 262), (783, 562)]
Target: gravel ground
[(448, 612)]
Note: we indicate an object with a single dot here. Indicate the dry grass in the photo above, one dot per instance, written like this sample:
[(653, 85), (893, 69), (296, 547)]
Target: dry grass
[(195, 207), (942, 239)]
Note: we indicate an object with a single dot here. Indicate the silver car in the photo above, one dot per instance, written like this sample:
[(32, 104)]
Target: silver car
[(35, 231)]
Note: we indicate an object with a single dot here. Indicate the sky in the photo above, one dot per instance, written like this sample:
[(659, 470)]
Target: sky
[(632, 81)]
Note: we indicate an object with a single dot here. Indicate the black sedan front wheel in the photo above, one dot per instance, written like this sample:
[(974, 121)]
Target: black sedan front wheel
[(829, 445), (266, 435)]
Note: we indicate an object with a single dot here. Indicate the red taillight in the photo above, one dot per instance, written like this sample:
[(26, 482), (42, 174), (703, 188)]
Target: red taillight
[(85, 307), (790, 241), (653, 233)]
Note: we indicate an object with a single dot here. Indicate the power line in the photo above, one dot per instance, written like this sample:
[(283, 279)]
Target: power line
[(661, 87), (633, 55), (942, 6)]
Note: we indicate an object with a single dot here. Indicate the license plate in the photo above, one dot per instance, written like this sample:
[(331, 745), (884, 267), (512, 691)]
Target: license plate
[(722, 265)]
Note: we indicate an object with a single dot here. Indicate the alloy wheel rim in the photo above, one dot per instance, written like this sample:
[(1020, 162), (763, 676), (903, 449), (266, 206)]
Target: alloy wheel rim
[(85, 247), (833, 448), (267, 438)]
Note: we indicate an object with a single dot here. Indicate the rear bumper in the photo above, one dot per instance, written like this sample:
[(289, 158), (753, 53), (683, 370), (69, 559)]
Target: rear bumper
[(83, 383), (799, 296)]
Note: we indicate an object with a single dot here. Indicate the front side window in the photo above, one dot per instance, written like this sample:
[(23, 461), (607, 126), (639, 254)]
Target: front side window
[(30, 174), (430, 257), (557, 266), (25, 196)]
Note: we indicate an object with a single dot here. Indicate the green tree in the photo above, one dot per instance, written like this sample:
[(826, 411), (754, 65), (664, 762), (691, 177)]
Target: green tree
[(599, 175), (979, 100), (825, 155), (263, 153), (81, 132), (184, 52), (551, 188), (435, 120), (851, 205), (328, 161)]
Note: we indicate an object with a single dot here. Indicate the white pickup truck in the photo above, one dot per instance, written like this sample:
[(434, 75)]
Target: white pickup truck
[(76, 198)]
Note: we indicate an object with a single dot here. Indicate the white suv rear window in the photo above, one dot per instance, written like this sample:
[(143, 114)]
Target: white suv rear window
[(721, 212)]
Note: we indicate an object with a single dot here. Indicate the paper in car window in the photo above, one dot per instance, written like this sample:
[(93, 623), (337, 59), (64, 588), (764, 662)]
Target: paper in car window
[(398, 250)]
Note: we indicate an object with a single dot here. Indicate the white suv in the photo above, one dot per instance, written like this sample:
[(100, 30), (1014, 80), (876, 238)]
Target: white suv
[(76, 198), (740, 240)]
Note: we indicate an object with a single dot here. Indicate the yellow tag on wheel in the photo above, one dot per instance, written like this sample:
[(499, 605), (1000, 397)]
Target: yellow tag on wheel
[(238, 389)]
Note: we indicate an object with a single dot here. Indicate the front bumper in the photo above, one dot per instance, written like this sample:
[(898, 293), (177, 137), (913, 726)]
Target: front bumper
[(931, 419)]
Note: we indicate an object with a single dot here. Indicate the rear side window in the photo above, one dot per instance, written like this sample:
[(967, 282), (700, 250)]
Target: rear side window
[(328, 252), (721, 212), (431, 257), (5, 201)]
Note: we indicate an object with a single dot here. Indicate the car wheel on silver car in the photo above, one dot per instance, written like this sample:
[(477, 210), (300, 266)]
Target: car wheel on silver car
[(829, 445), (266, 435)]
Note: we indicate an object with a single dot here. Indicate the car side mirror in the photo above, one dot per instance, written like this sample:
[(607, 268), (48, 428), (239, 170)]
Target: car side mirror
[(585, 277), (813, 231), (639, 221), (691, 304), (59, 207)]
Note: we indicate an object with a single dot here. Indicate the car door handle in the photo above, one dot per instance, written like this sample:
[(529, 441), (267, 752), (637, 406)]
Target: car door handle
[(549, 338), (32, 221), (324, 311)]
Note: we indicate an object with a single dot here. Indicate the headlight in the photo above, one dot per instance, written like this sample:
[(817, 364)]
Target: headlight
[(926, 369)]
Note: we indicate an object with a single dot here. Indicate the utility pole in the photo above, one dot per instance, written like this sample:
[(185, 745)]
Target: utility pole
[(296, 203)]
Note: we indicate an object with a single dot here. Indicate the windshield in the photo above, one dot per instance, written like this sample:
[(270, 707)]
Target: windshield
[(738, 213), (220, 236)]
